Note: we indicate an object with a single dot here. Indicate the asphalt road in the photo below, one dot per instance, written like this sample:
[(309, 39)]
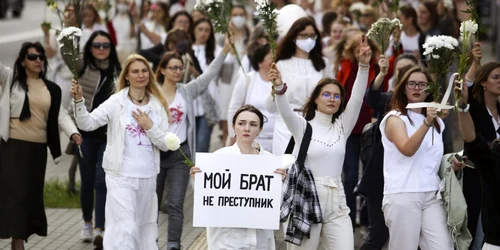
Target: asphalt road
[(13, 32)]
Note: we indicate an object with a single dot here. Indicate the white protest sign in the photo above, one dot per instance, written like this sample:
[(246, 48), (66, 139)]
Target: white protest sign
[(237, 190), (438, 106)]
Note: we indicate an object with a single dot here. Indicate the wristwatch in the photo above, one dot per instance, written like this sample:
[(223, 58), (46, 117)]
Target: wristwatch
[(464, 108)]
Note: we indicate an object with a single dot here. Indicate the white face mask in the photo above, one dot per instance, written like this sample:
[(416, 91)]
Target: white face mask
[(238, 21), (122, 8), (306, 45)]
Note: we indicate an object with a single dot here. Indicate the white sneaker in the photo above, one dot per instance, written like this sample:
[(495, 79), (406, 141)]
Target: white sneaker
[(86, 233)]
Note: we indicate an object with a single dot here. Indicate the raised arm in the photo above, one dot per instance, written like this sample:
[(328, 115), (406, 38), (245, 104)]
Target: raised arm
[(99, 116), (293, 121), (351, 112), (200, 84), (476, 62), (237, 99)]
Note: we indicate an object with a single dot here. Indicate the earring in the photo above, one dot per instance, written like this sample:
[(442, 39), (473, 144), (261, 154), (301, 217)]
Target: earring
[(127, 83)]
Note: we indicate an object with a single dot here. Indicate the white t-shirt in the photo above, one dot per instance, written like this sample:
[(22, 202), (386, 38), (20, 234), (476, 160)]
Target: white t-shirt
[(178, 109), (418, 173), (138, 154), (410, 43)]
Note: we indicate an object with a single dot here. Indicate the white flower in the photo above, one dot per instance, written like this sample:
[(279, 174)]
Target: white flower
[(357, 7), (172, 141), (435, 56), (260, 3), (448, 4), (397, 23), (69, 33), (469, 27)]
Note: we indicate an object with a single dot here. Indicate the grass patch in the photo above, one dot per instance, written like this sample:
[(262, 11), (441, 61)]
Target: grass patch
[(55, 195)]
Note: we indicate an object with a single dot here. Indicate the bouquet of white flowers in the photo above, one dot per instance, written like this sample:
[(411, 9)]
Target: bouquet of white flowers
[(439, 51), (174, 143), (218, 11), (382, 30), (68, 42)]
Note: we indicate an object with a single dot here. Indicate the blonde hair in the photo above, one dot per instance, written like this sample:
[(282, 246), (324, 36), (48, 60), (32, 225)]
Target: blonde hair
[(153, 88)]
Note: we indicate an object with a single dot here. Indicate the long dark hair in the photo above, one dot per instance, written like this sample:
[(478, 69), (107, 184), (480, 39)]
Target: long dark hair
[(210, 46), (482, 76), (114, 67), (309, 109), (432, 8), (20, 75), (287, 47), (409, 11), (165, 59), (399, 99), (171, 22)]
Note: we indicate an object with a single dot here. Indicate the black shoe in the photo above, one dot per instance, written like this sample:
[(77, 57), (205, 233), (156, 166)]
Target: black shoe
[(98, 242), (16, 14)]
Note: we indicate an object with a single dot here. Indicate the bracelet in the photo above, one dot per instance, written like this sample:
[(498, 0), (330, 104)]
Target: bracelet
[(281, 91), (81, 100), (462, 109), (428, 125)]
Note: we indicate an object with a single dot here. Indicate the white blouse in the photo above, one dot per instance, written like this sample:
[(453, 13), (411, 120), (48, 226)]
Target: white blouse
[(418, 173)]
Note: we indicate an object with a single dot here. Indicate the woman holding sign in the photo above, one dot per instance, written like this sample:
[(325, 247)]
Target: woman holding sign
[(413, 148), (331, 126), (248, 122)]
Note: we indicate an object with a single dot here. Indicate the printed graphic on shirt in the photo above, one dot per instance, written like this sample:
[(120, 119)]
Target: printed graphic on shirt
[(135, 131), (177, 114)]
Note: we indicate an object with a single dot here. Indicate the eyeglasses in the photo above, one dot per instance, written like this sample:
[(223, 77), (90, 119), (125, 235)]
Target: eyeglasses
[(413, 84), (33, 57), (329, 96), (305, 36), (176, 68), (99, 45)]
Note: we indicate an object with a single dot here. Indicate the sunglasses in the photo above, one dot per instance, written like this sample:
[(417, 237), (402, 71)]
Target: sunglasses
[(33, 57), (99, 45)]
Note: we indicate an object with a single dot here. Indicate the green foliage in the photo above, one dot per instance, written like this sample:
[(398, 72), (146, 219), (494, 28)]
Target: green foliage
[(56, 195)]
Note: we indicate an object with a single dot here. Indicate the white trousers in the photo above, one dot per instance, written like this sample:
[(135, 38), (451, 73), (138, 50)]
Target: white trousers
[(131, 213), (336, 230), (416, 219), (487, 246)]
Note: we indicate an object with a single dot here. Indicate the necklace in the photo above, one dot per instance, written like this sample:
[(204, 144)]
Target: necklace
[(139, 101)]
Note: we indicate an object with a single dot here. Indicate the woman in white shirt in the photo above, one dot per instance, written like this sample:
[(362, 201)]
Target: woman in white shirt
[(332, 122), (302, 64), (253, 89), (206, 106), (413, 148), (247, 123), (91, 22), (153, 31), (174, 170), (138, 118), (410, 34)]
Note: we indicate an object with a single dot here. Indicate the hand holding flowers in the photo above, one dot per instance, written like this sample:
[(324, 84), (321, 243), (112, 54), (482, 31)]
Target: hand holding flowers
[(218, 11), (174, 143), (382, 30)]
